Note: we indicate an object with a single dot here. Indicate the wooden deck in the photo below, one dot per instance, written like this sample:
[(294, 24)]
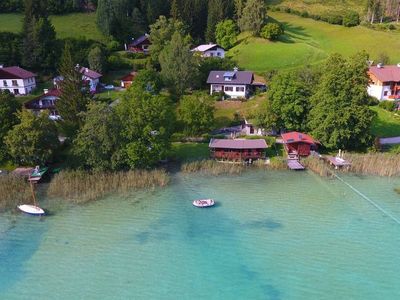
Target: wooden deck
[(337, 162), (294, 164)]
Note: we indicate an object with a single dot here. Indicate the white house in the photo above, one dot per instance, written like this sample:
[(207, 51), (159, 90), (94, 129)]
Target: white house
[(234, 84), (45, 102), (17, 80), (90, 77), (210, 50), (384, 82)]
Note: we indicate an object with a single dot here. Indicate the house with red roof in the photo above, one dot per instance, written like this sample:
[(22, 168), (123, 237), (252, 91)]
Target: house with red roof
[(237, 149), (16, 80), (384, 82), (209, 50), (298, 144), (127, 80), (45, 102), (140, 44)]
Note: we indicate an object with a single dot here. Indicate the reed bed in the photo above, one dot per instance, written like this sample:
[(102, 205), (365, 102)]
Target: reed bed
[(318, 166), (397, 190), (379, 164), (83, 186), (14, 190), (212, 167)]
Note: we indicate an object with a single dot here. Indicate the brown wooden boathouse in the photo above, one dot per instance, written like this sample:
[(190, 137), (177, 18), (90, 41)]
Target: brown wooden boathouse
[(238, 149)]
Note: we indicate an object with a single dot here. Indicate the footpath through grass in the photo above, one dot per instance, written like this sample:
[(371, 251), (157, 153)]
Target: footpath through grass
[(310, 42), (385, 124), (71, 25)]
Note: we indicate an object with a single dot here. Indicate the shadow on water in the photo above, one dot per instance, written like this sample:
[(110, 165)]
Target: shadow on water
[(17, 245)]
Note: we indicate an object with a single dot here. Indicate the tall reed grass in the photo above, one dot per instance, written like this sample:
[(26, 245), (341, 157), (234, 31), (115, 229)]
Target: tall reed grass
[(317, 165), (14, 190), (380, 164), (83, 186)]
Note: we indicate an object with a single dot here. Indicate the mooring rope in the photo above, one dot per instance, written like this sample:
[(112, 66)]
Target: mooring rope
[(369, 200)]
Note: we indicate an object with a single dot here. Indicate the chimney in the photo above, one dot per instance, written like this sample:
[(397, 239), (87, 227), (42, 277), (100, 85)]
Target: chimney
[(235, 69)]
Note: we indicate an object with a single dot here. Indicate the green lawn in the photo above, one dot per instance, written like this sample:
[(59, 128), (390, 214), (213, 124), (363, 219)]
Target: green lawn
[(71, 25), (189, 151), (386, 124), (309, 42)]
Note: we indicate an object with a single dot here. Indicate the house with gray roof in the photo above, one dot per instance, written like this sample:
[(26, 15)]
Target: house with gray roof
[(234, 84), (209, 50), (16, 80)]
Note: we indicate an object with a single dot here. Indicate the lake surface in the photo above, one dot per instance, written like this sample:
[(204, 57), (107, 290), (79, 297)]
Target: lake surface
[(273, 235)]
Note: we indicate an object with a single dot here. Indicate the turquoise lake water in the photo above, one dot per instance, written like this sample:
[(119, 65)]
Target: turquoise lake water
[(273, 235)]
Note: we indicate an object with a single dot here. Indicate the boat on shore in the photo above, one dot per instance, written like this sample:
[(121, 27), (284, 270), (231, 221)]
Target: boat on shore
[(203, 202), (31, 209)]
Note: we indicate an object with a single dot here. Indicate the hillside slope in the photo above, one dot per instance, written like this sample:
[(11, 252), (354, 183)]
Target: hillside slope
[(309, 42)]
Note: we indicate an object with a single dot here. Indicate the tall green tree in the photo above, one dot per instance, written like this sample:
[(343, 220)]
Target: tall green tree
[(73, 99), (147, 81), (8, 108), (196, 113), (147, 121), (178, 66), (340, 116), (34, 140), (97, 60), (226, 33), (215, 14), (97, 143), (253, 16)]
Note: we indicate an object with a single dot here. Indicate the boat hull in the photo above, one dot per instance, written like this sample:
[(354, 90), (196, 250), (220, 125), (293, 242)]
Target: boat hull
[(204, 203), (31, 209)]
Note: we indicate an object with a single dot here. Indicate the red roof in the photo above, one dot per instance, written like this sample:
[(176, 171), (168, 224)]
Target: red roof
[(15, 73), (238, 144), (129, 77), (52, 92), (90, 73), (296, 137), (386, 73)]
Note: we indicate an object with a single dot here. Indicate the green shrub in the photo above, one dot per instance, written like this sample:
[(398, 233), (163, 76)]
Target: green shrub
[(132, 55), (304, 14), (333, 18), (387, 105), (116, 62), (113, 46), (351, 18), (272, 31)]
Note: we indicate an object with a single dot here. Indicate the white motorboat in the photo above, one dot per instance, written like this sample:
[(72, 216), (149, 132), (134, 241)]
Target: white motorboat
[(31, 209), (203, 203)]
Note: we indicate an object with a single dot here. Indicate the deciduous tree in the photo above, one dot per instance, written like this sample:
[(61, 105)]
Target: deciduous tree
[(226, 33), (253, 16)]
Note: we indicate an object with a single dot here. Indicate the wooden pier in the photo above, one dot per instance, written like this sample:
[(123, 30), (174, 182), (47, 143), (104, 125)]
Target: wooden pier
[(337, 162), (294, 164)]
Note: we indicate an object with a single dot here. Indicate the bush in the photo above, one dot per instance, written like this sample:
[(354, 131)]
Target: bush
[(351, 18), (115, 62), (133, 55), (304, 14), (387, 105), (272, 31), (333, 18), (113, 46)]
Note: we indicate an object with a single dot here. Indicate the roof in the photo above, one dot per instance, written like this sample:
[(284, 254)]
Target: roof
[(206, 47), (240, 77), (129, 77), (15, 73), (140, 40), (33, 104), (238, 144), (90, 73), (386, 73), (297, 137)]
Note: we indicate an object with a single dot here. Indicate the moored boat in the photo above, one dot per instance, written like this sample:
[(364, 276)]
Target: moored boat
[(31, 209), (203, 203)]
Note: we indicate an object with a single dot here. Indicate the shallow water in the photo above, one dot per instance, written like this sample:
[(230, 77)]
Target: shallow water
[(273, 235)]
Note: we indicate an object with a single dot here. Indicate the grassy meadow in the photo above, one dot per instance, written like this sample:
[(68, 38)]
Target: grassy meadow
[(385, 124), (71, 25), (309, 42)]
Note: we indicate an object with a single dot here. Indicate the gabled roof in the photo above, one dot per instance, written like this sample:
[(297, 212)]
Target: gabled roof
[(296, 137), (238, 144), (139, 40), (90, 73), (206, 47), (15, 73), (239, 77), (129, 77), (34, 103), (386, 73)]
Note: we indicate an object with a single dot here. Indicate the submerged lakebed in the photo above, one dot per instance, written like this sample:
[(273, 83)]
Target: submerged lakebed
[(272, 235)]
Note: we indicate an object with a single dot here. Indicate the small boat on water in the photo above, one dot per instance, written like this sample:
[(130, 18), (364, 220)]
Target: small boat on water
[(31, 209), (203, 203)]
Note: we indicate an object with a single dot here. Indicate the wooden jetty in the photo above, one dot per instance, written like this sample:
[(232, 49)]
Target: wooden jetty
[(294, 164), (337, 161)]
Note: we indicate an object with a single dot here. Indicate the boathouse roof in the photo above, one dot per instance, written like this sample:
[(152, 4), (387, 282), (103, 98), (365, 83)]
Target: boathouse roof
[(238, 144), (298, 137)]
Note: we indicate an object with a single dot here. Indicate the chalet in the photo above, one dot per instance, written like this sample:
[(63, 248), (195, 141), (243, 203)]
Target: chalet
[(384, 82), (127, 80), (89, 77), (45, 102), (298, 144), (209, 50), (238, 149), (234, 84), (17, 80), (140, 45)]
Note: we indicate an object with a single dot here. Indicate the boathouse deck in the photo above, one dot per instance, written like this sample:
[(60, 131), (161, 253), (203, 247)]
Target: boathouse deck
[(294, 164)]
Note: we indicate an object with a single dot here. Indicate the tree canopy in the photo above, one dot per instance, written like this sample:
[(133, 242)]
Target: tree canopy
[(8, 108), (226, 33)]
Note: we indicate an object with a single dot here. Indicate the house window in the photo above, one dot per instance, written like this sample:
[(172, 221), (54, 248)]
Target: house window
[(239, 89), (218, 53), (15, 83), (5, 83), (16, 91), (211, 54), (385, 93), (229, 89)]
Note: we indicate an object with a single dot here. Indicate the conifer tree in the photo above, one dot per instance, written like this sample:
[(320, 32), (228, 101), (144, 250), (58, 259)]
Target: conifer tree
[(253, 16)]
